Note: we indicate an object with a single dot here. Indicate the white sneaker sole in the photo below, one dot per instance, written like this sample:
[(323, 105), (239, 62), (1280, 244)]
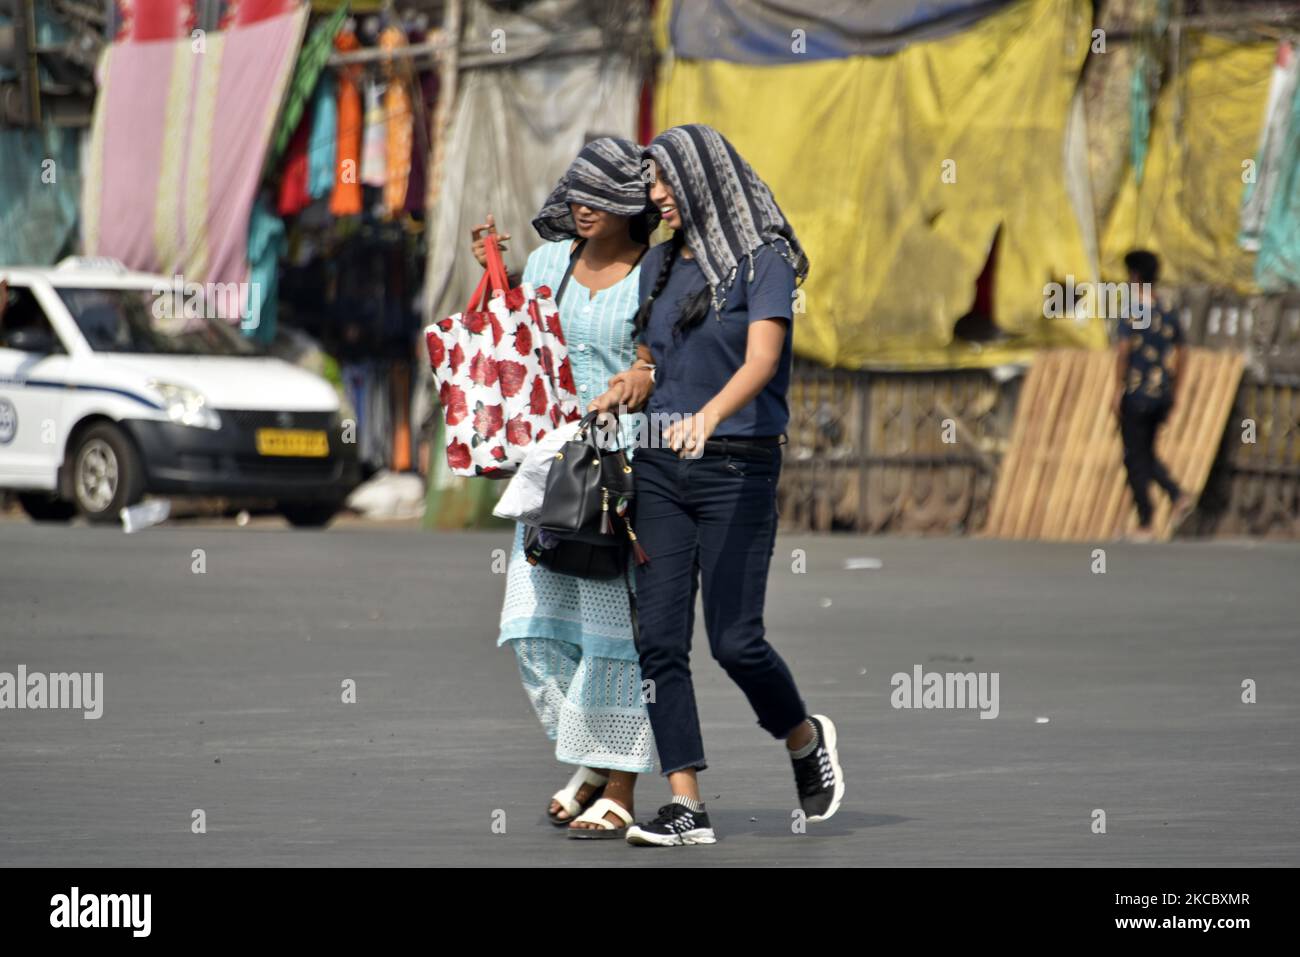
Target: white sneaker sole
[(642, 838), (828, 729)]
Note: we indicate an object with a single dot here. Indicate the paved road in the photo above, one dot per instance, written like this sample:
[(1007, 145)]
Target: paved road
[(222, 692)]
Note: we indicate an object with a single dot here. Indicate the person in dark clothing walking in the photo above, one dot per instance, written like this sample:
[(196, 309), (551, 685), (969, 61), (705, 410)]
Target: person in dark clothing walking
[(717, 317), (1151, 355)]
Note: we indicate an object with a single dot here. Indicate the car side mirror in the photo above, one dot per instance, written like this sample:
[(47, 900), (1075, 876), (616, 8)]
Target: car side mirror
[(41, 341)]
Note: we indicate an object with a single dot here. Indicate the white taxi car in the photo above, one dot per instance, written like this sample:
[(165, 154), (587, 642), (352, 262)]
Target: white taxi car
[(102, 402)]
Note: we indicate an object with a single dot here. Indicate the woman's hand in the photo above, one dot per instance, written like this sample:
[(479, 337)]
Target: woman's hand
[(687, 436), (479, 245), (608, 401), (636, 385), (628, 390)]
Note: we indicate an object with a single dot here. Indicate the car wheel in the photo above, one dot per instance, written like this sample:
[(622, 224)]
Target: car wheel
[(41, 507), (106, 473), (309, 514)]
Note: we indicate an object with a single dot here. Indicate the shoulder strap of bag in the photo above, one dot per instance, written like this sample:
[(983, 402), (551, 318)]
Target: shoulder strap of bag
[(573, 259)]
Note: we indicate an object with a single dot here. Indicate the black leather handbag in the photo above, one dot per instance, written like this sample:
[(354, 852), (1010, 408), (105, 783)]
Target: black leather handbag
[(585, 526), (580, 559)]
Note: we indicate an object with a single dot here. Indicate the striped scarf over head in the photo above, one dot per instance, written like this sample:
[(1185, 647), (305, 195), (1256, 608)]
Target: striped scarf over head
[(606, 175), (727, 212)]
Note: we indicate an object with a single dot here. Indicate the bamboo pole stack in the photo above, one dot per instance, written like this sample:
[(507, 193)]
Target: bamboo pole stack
[(1063, 476)]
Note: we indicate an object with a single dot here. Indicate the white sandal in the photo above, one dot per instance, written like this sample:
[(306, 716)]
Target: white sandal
[(604, 830), (567, 796)]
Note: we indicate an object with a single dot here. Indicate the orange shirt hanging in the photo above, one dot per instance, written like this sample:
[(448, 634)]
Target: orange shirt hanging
[(345, 200)]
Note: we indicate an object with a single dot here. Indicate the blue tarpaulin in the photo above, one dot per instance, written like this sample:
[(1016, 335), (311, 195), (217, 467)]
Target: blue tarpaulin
[(796, 31)]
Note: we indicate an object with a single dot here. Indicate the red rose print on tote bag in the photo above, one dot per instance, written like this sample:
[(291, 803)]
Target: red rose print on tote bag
[(501, 370)]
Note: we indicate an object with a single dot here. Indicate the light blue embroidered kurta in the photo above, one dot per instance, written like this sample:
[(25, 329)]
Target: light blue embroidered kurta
[(598, 330), (587, 698), (539, 603)]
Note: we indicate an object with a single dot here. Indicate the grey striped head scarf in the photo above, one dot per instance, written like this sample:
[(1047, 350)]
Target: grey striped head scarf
[(607, 176), (727, 212)]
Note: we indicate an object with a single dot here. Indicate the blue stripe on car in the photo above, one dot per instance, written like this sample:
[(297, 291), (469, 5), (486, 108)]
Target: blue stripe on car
[(72, 386)]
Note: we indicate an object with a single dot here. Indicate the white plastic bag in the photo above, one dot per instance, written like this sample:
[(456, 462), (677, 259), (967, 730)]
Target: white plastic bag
[(522, 499)]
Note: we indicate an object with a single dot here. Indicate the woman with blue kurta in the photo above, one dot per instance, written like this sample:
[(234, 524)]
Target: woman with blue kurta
[(572, 636)]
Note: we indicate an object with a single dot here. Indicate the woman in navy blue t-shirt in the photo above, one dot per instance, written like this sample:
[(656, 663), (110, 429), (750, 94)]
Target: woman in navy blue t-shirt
[(716, 317)]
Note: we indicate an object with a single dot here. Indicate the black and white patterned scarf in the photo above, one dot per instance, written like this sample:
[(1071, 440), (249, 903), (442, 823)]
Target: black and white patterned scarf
[(727, 211), (607, 176)]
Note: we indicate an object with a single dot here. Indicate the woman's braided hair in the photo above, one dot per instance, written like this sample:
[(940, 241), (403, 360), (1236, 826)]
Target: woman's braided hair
[(694, 308)]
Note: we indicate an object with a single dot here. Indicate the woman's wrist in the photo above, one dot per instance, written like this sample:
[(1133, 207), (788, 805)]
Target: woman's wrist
[(710, 418)]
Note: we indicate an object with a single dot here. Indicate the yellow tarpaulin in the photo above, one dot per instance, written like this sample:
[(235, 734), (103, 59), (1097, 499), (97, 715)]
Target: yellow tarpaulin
[(896, 172), (1206, 126)]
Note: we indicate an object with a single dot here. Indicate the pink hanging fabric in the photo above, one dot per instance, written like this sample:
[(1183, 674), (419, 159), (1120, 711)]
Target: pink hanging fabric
[(177, 146)]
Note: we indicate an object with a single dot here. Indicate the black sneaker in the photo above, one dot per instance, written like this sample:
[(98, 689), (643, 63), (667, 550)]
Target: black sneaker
[(675, 825), (818, 777)]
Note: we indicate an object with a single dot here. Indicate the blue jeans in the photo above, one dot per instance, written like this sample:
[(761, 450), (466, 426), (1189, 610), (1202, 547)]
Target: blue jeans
[(707, 523)]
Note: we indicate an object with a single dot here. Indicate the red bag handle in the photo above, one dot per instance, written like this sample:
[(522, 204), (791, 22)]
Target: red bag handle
[(494, 276)]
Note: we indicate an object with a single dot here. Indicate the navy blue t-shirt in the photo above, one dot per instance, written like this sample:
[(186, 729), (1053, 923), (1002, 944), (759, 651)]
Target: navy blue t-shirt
[(692, 367)]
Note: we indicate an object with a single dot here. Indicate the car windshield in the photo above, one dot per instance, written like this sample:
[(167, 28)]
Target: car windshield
[(140, 320)]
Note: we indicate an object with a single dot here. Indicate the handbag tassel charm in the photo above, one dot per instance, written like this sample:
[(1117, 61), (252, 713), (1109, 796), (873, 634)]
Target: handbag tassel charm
[(606, 525), (638, 553)]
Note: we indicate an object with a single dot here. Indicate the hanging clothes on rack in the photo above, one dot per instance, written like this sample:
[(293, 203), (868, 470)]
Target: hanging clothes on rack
[(425, 95), (397, 109), (374, 165), (418, 182), (345, 200), (266, 245), (307, 72), (294, 196), (322, 142)]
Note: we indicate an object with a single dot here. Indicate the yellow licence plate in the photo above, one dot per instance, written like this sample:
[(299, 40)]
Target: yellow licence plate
[(311, 443)]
